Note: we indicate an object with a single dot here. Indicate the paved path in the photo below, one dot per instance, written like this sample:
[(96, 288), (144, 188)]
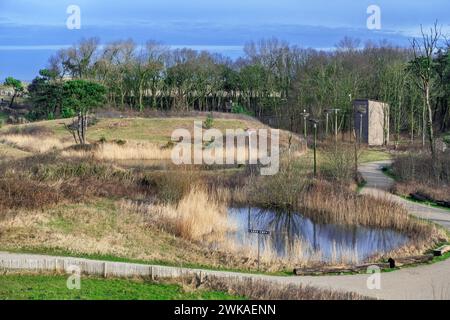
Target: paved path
[(423, 282), (378, 184)]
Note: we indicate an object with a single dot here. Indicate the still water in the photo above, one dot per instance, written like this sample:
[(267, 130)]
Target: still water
[(326, 241)]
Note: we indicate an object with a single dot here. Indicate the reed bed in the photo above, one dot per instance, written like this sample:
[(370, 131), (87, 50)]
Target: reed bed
[(196, 217)]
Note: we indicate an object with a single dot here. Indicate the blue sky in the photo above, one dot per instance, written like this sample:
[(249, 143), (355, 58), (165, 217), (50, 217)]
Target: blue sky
[(30, 31)]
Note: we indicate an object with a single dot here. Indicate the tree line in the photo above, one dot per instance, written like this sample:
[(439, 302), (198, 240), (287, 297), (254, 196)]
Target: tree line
[(274, 80)]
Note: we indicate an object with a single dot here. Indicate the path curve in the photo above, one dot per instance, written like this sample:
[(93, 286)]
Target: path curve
[(379, 185), (423, 282)]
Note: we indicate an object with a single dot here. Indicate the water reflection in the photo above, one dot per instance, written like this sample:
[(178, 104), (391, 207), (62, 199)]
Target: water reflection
[(329, 241)]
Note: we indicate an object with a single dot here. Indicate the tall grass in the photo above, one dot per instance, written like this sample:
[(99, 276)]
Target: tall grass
[(197, 216), (36, 144), (132, 150)]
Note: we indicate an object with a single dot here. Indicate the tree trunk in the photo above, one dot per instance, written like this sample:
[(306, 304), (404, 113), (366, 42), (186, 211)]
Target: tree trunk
[(80, 128), (424, 121), (430, 123), (12, 100)]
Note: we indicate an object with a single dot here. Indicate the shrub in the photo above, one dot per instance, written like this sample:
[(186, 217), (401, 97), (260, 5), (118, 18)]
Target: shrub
[(102, 139), (67, 112), (16, 192), (339, 162), (120, 142), (170, 187), (417, 173), (238, 109), (209, 123), (420, 168)]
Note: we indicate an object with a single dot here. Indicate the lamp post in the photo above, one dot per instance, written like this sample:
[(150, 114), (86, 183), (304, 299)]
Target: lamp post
[(315, 123), (361, 111), (360, 127), (327, 113), (305, 117)]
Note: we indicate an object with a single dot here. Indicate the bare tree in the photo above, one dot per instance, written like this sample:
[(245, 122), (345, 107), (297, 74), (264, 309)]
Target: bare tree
[(424, 50)]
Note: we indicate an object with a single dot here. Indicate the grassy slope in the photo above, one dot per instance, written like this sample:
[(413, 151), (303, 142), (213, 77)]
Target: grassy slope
[(155, 130), (97, 228), (8, 152), (51, 287), (150, 129)]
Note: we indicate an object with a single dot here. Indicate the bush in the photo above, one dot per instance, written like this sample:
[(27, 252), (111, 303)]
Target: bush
[(238, 109), (209, 123), (120, 142), (415, 173), (420, 168), (17, 192), (67, 112), (51, 116), (447, 139), (170, 187), (339, 162)]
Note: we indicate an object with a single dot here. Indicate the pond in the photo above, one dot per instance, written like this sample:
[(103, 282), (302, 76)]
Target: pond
[(293, 235)]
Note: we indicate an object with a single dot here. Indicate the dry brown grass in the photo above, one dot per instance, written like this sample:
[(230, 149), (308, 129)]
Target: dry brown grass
[(96, 227), (10, 153), (267, 290), (36, 144), (22, 193), (197, 216), (131, 150)]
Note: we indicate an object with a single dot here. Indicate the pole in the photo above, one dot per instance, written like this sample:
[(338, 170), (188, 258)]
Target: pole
[(315, 146), (326, 126), (360, 128), (259, 237), (335, 126), (304, 127)]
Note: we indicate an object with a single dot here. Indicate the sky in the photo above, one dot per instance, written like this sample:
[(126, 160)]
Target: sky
[(30, 31)]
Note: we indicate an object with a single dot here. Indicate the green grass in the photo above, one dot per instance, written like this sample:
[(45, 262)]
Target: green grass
[(54, 287), (157, 130), (426, 203), (361, 186), (371, 155), (447, 138), (389, 173)]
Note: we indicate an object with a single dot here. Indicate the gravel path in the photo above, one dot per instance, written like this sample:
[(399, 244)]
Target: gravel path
[(423, 282)]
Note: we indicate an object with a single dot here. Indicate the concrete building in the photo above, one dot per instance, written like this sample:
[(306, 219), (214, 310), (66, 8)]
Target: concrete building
[(372, 119)]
